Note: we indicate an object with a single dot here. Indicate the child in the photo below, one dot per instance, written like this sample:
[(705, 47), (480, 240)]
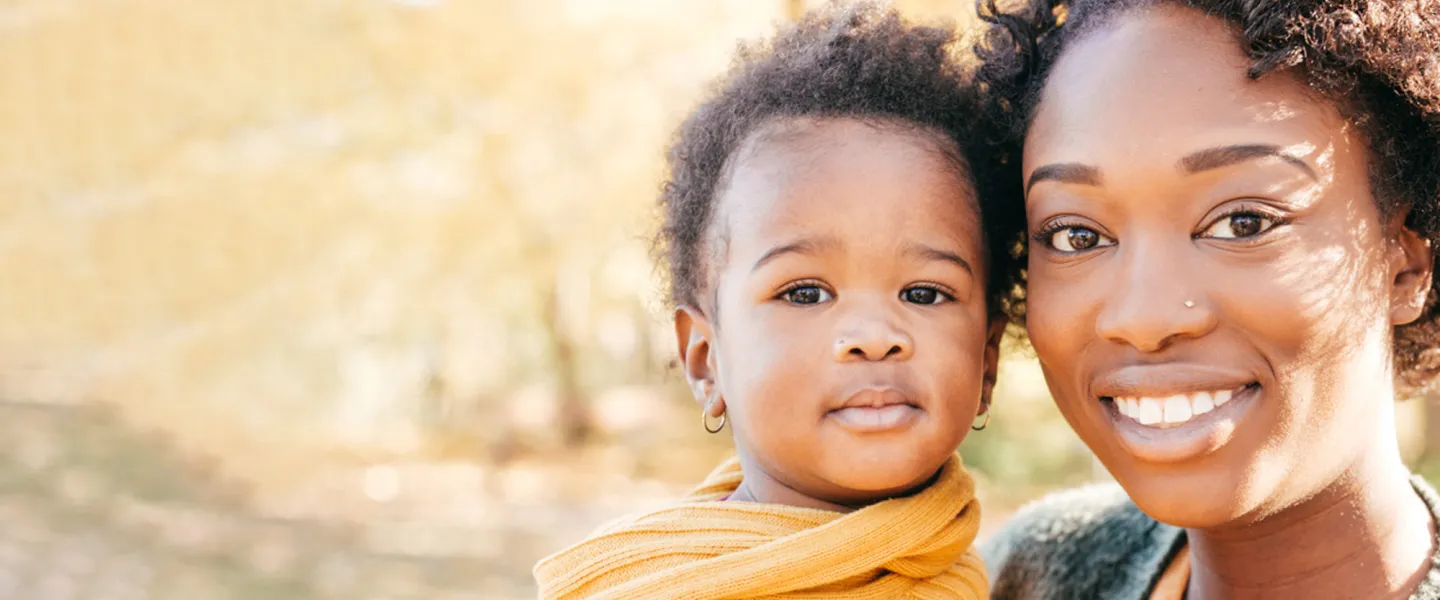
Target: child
[(841, 304)]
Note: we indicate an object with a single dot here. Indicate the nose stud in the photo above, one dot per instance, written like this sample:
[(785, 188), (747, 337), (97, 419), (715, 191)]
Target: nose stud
[(1189, 304)]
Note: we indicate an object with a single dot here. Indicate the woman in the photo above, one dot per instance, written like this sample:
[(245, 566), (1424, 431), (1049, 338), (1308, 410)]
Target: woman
[(1232, 205)]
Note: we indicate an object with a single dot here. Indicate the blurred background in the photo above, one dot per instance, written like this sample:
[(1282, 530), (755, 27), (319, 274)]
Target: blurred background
[(311, 299)]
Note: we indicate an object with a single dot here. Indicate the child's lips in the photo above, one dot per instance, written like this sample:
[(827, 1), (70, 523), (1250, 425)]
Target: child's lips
[(871, 419), (876, 409)]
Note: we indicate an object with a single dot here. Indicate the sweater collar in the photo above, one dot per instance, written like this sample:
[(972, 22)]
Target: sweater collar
[(1430, 587)]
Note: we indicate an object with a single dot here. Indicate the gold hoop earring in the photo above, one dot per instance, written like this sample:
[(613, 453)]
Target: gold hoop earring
[(705, 418), (982, 425)]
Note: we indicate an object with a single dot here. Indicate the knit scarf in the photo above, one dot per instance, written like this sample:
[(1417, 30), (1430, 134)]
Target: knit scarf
[(917, 546)]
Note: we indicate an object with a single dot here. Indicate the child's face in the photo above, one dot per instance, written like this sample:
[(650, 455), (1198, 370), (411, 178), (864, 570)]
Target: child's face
[(848, 336)]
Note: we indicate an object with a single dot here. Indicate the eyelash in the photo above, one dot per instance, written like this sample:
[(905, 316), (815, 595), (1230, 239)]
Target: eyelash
[(799, 285), (1044, 236), (1275, 220), (1048, 230), (943, 291)]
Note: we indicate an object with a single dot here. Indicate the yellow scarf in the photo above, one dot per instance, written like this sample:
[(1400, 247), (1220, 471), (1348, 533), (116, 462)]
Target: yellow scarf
[(913, 547)]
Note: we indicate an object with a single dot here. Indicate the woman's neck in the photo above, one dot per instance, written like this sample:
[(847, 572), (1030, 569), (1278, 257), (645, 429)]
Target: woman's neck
[(1361, 538)]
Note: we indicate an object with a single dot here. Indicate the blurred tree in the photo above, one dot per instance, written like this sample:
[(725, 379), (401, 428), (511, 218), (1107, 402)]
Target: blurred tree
[(574, 422)]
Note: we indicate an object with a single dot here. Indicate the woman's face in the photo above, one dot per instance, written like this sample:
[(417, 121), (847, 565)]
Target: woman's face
[(1212, 287)]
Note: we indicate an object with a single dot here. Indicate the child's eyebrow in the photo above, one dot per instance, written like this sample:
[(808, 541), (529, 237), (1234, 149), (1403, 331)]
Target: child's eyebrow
[(925, 252), (802, 246)]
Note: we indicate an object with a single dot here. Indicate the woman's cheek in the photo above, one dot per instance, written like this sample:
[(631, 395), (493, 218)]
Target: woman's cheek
[(1059, 317), (1301, 301)]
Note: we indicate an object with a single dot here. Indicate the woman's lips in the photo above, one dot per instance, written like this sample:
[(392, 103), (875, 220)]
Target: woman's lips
[(1173, 410), (1177, 432)]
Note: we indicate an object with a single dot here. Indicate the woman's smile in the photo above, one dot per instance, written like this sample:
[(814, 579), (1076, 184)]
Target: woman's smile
[(1172, 412), (1180, 426), (1166, 412)]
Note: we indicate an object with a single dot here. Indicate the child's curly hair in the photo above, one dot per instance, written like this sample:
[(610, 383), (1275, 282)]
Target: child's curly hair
[(860, 62), (1378, 60)]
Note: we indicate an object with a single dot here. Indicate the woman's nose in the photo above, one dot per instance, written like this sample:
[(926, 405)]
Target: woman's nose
[(1153, 304)]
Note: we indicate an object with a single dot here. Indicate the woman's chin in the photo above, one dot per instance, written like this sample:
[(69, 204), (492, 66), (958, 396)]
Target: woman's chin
[(1196, 502)]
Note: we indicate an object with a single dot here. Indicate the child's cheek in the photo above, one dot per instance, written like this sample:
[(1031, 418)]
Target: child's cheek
[(778, 370)]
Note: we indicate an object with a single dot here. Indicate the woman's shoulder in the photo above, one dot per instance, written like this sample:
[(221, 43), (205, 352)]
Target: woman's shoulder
[(1086, 542)]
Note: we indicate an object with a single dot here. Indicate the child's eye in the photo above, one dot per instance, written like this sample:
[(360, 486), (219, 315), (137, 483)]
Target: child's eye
[(1238, 225), (806, 294), (924, 295)]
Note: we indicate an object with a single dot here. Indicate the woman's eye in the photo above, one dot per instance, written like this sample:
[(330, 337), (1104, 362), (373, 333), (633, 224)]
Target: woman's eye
[(808, 294), (1077, 239), (924, 295), (1239, 225)]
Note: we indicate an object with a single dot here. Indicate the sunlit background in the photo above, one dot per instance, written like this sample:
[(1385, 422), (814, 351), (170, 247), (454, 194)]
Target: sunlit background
[(352, 299)]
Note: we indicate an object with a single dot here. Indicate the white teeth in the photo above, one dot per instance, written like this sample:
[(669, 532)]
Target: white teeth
[(1171, 410), (1150, 412), (1202, 403), (1177, 409)]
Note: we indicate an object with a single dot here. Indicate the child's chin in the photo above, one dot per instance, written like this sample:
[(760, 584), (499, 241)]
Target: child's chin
[(879, 483)]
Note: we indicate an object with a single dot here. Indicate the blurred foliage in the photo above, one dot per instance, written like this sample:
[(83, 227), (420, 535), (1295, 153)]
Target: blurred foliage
[(352, 298)]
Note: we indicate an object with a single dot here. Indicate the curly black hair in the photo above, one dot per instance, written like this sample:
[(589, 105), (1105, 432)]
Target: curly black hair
[(857, 61), (1378, 60)]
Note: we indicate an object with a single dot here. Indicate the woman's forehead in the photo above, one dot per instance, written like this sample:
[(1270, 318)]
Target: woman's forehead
[(1162, 82)]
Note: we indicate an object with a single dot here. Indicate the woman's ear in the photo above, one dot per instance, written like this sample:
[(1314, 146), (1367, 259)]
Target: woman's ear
[(693, 339), (993, 335), (1412, 261)]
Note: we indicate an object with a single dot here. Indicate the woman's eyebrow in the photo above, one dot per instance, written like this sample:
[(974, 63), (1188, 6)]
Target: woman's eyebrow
[(1082, 174), (1195, 162), (1224, 156)]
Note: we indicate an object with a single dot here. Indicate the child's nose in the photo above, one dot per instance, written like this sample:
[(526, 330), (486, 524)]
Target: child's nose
[(877, 341)]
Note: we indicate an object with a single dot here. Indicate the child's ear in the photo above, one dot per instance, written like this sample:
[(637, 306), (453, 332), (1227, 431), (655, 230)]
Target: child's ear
[(993, 334), (693, 335)]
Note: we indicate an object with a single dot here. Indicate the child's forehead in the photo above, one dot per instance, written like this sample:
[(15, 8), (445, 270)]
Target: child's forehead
[(849, 181), (842, 163)]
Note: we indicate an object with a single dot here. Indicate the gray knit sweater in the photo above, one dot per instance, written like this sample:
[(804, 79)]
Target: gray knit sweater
[(1092, 542)]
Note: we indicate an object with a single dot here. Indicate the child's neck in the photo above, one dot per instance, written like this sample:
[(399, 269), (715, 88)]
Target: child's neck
[(762, 487), (770, 491)]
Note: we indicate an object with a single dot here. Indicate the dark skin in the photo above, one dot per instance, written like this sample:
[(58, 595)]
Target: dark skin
[(848, 273), (1199, 233)]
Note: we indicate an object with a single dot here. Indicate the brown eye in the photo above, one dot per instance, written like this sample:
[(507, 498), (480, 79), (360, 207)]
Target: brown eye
[(1077, 239), (924, 295), (806, 294), (1082, 239), (1239, 225)]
